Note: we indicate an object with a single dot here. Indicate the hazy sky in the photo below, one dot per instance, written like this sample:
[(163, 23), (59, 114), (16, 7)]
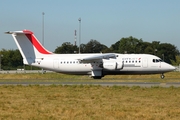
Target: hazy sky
[(104, 20)]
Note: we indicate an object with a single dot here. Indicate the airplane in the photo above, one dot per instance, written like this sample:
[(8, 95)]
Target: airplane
[(96, 65)]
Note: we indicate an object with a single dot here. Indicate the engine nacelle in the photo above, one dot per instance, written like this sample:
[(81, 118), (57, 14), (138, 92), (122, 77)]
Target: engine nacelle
[(109, 65), (112, 65), (119, 65)]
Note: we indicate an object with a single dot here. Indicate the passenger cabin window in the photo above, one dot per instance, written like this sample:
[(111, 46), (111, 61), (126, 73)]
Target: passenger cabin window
[(131, 61)]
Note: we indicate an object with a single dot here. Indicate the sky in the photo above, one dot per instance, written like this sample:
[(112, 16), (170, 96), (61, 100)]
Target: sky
[(106, 21)]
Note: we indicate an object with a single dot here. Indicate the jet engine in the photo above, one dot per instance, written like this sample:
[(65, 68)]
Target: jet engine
[(112, 65)]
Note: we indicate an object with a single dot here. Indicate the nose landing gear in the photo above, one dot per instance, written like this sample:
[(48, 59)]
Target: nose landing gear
[(162, 76)]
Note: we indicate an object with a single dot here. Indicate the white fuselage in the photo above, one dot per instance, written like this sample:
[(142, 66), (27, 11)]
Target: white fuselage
[(128, 64)]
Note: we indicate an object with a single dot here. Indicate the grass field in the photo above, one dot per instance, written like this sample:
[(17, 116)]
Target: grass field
[(169, 77), (89, 103)]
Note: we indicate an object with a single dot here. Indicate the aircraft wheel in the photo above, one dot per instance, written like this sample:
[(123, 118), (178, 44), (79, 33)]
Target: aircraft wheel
[(162, 76)]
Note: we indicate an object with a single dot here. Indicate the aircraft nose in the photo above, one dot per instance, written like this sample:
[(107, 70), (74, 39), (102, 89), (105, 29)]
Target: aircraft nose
[(171, 68), (167, 67)]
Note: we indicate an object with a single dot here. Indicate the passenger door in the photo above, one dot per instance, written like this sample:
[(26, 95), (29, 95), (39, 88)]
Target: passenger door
[(56, 63), (145, 62)]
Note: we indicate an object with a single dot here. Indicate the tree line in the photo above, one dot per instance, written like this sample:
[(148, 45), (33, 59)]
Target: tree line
[(129, 45), (12, 59)]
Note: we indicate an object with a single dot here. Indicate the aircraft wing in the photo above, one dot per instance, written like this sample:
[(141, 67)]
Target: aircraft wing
[(97, 57)]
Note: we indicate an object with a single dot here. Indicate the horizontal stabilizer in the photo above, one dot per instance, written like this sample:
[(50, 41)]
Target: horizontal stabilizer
[(19, 32)]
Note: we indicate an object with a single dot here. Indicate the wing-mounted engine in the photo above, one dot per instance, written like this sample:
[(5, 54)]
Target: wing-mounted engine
[(112, 64), (120, 65)]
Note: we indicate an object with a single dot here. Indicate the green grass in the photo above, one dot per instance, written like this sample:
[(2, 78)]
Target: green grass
[(89, 102), (57, 77)]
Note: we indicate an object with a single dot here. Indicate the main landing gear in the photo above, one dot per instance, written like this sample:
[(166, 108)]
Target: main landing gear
[(162, 76)]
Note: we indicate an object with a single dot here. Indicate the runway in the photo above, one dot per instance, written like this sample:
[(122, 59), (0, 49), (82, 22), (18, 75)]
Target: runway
[(129, 84)]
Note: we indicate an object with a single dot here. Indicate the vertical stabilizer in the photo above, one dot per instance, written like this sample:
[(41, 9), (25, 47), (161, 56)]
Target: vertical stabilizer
[(28, 45)]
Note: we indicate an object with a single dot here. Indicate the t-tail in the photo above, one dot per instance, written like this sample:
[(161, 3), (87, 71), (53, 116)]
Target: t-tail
[(30, 48)]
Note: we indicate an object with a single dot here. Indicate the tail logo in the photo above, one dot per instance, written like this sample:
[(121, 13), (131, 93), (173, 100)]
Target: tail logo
[(35, 42)]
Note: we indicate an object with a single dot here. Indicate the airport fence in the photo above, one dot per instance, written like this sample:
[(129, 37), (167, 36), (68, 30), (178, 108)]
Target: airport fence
[(24, 71)]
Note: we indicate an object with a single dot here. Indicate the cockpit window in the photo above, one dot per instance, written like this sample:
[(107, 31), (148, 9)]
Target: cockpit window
[(156, 60), (160, 60)]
